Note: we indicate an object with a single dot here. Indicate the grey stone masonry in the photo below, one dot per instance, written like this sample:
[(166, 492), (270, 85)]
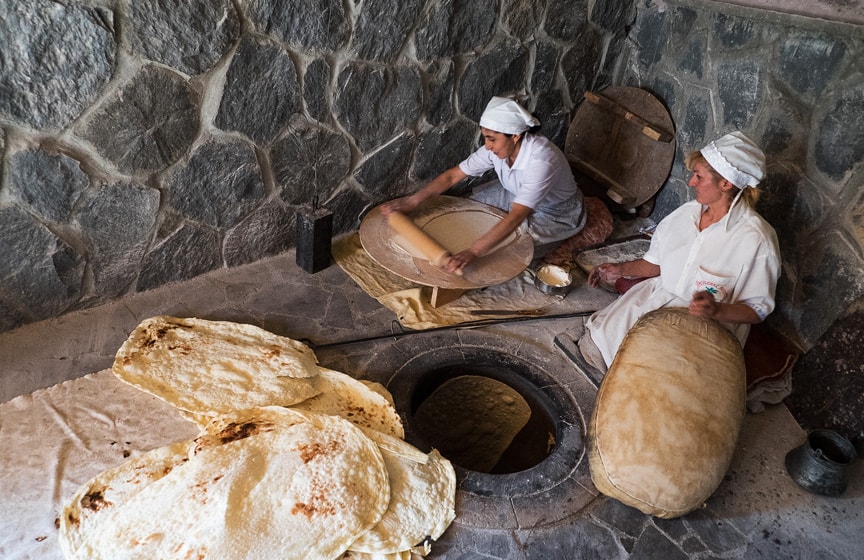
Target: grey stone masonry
[(61, 59), (144, 144), (149, 142)]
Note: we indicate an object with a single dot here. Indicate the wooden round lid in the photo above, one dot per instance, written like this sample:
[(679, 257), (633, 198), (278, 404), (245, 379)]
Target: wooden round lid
[(621, 145), (453, 223)]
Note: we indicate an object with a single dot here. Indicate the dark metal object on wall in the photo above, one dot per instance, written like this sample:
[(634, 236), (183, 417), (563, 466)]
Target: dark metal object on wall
[(314, 237)]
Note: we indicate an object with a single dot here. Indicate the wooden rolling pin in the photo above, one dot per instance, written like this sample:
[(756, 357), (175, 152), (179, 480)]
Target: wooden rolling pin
[(431, 250)]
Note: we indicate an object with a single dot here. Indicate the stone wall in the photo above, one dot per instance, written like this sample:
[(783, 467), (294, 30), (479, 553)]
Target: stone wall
[(148, 142), (796, 86), (143, 144)]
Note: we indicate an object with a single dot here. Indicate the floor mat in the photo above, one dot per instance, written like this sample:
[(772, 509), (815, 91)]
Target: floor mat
[(410, 302)]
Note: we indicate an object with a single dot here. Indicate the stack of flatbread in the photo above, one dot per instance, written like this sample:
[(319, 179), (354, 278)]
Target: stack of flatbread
[(293, 460)]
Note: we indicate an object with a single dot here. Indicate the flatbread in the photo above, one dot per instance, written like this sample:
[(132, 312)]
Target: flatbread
[(456, 231), (264, 483), (422, 499), (209, 368), (112, 488), (354, 400), (364, 404), (474, 419)]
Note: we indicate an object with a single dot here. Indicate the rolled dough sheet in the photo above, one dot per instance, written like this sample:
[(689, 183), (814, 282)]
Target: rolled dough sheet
[(622, 251), (474, 218), (455, 231)]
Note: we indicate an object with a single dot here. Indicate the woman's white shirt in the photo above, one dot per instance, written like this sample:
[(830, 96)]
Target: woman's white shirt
[(540, 176), (736, 259)]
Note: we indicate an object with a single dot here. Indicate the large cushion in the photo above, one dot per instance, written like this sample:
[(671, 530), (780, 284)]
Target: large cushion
[(668, 414)]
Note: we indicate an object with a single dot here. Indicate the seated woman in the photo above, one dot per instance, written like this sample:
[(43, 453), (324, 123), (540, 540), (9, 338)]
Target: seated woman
[(534, 183), (714, 255)]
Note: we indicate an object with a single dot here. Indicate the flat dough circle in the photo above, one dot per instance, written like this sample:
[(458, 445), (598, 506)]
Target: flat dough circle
[(456, 231), (508, 259)]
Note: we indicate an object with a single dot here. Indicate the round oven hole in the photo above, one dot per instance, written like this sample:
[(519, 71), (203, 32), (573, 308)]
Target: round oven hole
[(483, 417)]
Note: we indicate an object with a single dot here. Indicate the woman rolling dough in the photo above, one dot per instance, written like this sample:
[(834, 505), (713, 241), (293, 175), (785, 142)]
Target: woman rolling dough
[(534, 183)]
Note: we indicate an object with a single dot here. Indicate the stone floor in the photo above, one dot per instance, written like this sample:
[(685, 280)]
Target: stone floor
[(757, 512)]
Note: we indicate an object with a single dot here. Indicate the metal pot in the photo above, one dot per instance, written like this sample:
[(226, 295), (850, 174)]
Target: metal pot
[(553, 280), (821, 464)]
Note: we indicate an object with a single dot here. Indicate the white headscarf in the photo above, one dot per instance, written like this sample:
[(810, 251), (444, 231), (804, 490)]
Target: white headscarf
[(507, 116), (737, 158)]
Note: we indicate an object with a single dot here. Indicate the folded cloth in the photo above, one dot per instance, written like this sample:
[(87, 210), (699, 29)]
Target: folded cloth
[(769, 359), (410, 301), (769, 391)]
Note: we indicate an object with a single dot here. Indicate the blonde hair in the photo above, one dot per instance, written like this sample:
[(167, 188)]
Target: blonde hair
[(750, 195)]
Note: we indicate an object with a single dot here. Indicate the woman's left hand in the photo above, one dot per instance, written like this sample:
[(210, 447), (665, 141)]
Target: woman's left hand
[(703, 304), (459, 261)]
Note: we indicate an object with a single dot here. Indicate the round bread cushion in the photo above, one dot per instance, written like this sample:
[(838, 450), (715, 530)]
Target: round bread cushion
[(668, 413)]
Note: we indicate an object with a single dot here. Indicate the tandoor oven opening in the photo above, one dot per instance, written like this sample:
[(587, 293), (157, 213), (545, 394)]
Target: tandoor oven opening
[(483, 414)]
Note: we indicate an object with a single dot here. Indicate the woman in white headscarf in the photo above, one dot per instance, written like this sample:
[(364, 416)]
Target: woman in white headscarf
[(535, 176), (714, 255)]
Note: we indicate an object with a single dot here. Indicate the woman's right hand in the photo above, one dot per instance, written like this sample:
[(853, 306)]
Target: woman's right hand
[(404, 205), (606, 272)]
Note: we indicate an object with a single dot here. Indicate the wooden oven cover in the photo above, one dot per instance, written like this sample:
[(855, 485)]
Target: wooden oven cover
[(621, 145)]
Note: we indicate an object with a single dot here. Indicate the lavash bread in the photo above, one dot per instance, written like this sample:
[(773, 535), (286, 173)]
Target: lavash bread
[(354, 400), (305, 480), (259, 483), (422, 498), (668, 414), (112, 488), (213, 367), (206, 368), (474, 419)]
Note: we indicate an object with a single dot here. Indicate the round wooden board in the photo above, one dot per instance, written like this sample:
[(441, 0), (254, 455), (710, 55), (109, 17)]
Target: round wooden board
[(612, 148), (381, 243)]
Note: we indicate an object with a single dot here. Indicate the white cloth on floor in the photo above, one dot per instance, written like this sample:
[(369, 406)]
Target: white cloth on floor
[(56, 439), (772, 391)]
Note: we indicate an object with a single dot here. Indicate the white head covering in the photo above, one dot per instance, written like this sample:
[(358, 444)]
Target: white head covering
[(507, 116), (737, 158)]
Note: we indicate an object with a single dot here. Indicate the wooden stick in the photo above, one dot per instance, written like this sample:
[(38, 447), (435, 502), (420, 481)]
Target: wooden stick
[(431, 250), (648, 129)]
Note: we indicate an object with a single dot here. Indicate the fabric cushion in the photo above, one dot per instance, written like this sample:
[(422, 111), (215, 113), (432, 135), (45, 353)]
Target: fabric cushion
[(768, 358), (598, 227), (668, 414)]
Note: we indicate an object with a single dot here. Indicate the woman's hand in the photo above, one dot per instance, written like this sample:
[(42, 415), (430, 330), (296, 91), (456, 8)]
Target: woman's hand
[(405, 205), (489, 240), (609, 272), (703, 304), (606, 272), (459, 261), (436, 186)]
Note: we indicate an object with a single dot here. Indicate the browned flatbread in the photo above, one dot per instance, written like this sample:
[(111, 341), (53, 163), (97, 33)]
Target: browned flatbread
[(210, 368)]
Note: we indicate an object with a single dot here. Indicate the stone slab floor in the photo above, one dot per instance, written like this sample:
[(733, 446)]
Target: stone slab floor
[(757, 512)]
